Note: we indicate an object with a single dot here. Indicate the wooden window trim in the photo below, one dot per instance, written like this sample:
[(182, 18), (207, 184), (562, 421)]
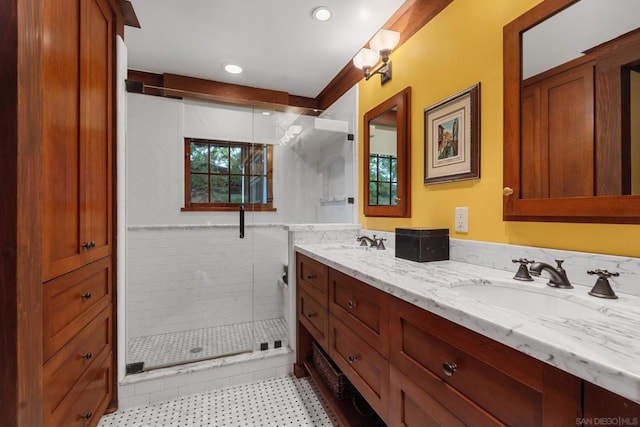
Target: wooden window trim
[(225, 207)]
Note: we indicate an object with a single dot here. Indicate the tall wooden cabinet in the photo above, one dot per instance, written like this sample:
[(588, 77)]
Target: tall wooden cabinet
[(77, 210)]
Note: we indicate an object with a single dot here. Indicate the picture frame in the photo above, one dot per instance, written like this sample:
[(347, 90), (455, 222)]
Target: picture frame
[(452, 138)]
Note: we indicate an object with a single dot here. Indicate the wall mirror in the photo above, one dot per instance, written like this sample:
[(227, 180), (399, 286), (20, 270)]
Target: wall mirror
[(571, 113), (386, 157)]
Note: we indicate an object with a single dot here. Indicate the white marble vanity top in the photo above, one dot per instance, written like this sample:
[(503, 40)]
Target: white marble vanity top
[(603, 348)]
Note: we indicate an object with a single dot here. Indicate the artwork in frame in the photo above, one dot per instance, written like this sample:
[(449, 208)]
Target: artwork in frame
[(452, 138)]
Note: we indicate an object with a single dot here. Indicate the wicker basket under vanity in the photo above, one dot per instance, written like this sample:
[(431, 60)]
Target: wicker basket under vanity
[(335, 380)]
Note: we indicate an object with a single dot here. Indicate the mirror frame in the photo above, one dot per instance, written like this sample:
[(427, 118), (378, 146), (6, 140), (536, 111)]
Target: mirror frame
[(401, 100), (595, 209)]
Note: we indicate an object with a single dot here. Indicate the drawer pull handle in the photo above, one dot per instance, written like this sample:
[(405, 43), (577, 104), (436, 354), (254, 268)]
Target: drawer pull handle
[(310, 276), (89, 245), (87, 416), (351, 303), (310, 315), (449, 368), (87, 356), (86, 296), (352, 358)]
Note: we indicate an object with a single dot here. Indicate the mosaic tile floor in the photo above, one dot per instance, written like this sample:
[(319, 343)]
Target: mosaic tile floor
[(275, 402), (198, 344)]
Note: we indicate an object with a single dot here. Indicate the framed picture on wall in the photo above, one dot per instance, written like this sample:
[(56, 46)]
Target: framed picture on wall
[(452, 138)]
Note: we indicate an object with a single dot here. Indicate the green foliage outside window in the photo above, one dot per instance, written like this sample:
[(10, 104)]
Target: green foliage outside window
[(228, 173)]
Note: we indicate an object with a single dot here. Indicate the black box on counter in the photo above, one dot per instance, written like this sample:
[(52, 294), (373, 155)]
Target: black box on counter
[(422, 244)]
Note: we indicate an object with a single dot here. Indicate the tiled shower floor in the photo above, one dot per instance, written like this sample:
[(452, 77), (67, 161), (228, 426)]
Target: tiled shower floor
[(197, 344), (276, 402)]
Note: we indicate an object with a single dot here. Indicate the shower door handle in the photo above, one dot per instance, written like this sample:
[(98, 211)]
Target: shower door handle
[(242, 221)]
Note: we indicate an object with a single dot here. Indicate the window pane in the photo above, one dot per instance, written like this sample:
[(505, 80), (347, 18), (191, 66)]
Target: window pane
[(373, 194), (257, 161), (236, 189), (394, 194), (199, 189), (384, 193), (219, 189), (373, 167), (394, 169), (199, 157), (257, 189), (219, 159), (237, 162), (384, 168)]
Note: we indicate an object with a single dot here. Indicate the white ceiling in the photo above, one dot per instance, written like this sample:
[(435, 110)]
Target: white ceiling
[(277, 42)]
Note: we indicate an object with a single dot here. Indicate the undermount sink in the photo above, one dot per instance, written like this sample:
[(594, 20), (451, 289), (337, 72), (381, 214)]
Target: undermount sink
[(527, 299)]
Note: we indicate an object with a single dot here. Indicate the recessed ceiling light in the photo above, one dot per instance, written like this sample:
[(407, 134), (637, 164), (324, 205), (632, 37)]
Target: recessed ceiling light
[(321, 13), (266, 113), (233, 68)]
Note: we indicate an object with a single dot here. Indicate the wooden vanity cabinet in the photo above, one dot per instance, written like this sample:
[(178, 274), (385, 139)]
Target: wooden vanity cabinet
[(418, 369)]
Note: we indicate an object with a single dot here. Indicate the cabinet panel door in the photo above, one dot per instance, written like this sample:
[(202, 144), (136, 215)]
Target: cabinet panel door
[(62, 221), (412, 406), (77, 134), (601, 403), (314, 317), (363, 308), (96, 125), (363, 365), (312, 277), (70, 301)]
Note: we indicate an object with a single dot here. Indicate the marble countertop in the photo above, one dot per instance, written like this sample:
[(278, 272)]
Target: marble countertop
[(601, 344)]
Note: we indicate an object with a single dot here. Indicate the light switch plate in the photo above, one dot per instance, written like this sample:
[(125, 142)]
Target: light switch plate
[(462, 220)]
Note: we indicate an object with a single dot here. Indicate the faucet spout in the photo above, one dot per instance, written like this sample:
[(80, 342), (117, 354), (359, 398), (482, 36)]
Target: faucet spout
[(364, 239), (557, 275)]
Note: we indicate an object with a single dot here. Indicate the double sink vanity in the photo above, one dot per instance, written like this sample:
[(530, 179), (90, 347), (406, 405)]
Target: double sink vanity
[(452, 343)]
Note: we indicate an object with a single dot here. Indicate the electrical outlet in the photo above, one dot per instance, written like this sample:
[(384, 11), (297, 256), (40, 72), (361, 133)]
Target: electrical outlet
[(462, 220)]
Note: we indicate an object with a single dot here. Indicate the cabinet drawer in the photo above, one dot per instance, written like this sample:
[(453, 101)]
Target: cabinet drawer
[(412, 406), (87, 400), (513, 387), (363, 366), (314, 317), (68, 365), (70, 301), (312, 278), (361, 307)]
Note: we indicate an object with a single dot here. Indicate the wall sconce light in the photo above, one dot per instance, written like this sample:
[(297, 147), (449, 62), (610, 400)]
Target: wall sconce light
[(380, 46)]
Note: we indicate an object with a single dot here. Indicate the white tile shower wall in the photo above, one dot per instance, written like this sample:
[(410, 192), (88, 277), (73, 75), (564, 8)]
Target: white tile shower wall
[(156, 128), (181, 278)]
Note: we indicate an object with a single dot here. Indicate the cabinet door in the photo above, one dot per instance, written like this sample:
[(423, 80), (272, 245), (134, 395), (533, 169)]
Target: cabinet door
[(442, 357), (603, 404), (362, 365), (96, 126), (363, 308), (412, 406), (77, 133)]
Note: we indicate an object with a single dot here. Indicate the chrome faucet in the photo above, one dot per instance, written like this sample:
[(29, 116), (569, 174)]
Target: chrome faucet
[(557, 275), (374, 243)]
